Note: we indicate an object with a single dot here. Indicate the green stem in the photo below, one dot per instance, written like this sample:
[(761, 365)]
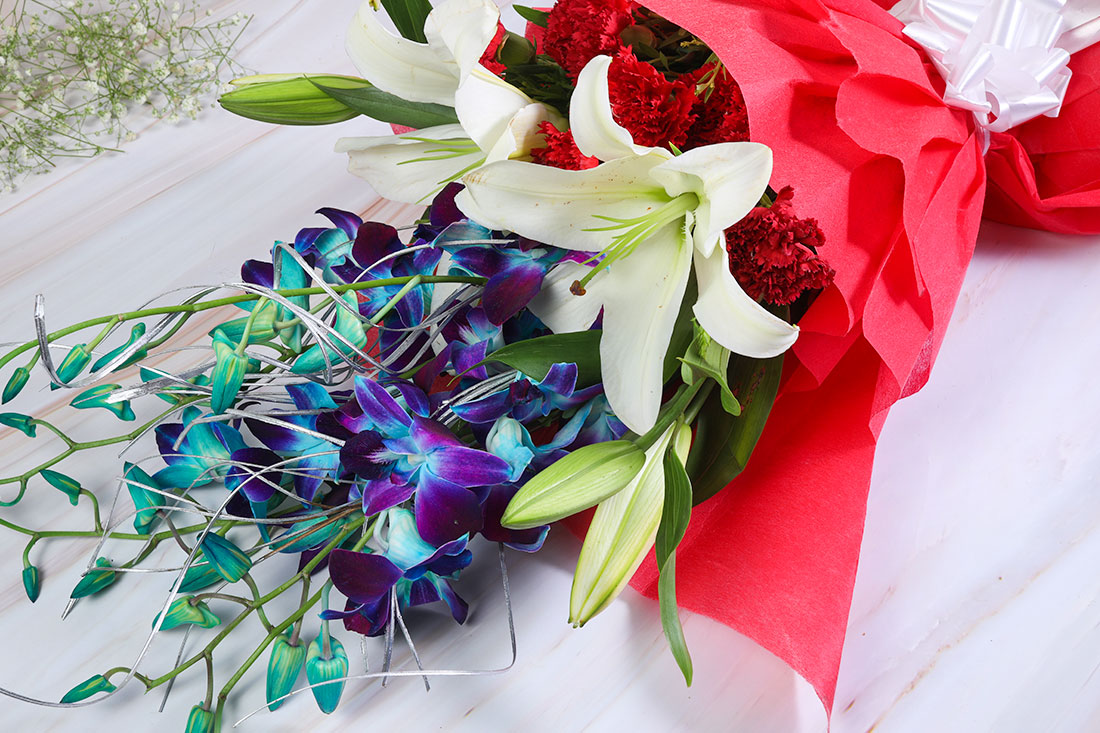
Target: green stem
[(671, 411)]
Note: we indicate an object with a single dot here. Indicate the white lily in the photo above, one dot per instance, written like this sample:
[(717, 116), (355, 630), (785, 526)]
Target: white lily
[(650, 215), (496, 120)]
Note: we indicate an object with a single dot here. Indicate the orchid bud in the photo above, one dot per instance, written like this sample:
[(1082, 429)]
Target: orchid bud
[(581, 479), (65, 484), (230, 561), (32, 583), (139, 483), (283, 668), (199, 576), (135, 333), (228, 374), (16, 382), (19, 421), (290, 99), (200, 720), (100, 396), (320, 668), (72, 365), (185, 610), (98, 578), (87, 688)]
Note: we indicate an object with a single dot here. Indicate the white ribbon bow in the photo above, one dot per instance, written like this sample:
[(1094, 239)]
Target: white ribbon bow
[(1004, 60)]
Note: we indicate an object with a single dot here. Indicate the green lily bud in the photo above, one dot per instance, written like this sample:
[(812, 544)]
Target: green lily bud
[(228, 375), (321, 669), (290, 99), (87, 688), (98, 396), (16, 382), (283, 668), (135, 333), (623, 529), (185, 610), (230, 561), (581, 479), (31, 582), (96, 580), (65, 484), (199, 576), (515, 50), (200, 720), (20, 422), (145, 501), (72, 365)]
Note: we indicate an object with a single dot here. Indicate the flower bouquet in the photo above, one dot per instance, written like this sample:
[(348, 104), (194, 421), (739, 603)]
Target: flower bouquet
[(613, 299)]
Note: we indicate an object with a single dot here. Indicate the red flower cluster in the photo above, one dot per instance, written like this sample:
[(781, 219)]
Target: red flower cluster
[(656, 111), (720, 113), (561, 151), (489, 58), (579, 30), (771, 256)]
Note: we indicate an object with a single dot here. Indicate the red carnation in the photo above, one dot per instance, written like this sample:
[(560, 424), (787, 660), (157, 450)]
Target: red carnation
[(579, 30), (561, 151), (771, 253), (656, 111), (721, 116), (489, 58)]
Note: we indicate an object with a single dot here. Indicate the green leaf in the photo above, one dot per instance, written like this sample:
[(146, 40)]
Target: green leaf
[(65, 484), (577, 481), (676, 511), (291, 99), (386, 107), (534, 357), (670, 617), (408, 17), (683, 333), (724, 443), (706, 358), (87, 688), (531, 15)]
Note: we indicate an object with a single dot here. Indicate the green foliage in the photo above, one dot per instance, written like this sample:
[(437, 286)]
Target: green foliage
[(531, 15), (534, 357), (408, 17), (386, 107)]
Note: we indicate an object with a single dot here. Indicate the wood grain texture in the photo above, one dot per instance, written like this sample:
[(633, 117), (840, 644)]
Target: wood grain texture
[(976, 604)]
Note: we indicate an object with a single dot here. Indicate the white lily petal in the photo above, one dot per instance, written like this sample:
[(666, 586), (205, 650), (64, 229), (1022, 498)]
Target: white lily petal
[(561, 207), (461, 30), (522, 133), (642, 298), (731, 317), (595, 130), (558, 308), (486, 104), (729, 179), (410, 168), (397, 65), (623, 529)]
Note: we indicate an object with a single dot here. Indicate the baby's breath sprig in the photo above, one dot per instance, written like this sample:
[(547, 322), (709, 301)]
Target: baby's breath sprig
[(71, 71)]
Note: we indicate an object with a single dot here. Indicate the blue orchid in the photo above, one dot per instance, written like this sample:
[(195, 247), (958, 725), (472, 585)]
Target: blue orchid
[(397, 453), (472, 337), (525, 399), (203, 454), (419, 570)]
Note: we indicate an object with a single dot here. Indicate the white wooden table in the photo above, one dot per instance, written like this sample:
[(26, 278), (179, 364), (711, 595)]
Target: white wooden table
[(976, 603)]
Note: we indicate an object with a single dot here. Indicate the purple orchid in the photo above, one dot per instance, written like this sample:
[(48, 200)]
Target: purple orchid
[(400, 453), (526, 400), (420, 571)]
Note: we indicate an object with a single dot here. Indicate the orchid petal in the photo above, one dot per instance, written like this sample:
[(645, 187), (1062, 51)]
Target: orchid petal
[(642, 300), (411, 167), (381, 408), (444, 511), (557, 306), (594, 128), (461, 30), (731, 317), (567, 209), (468, 466), (729, 179), (397, 65), (362, 577)]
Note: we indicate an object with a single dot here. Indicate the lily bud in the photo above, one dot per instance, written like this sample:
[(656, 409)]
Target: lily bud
[(31, 582), (185, 610), (322, 669), (16, 382), (230, 561), (200, 720), (515, 50), (19, 421), (98, 578), (145, 501), (623, 529), (290, 99), (283, 668), (581, 479), (87, 688)]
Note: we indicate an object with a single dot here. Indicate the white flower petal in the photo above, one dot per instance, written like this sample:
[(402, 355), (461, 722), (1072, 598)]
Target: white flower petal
[(729, 179), (461, 30), (595, 130), (731, 317), (486, 104), (521, 134), (397, 65), (409, 168), (558, 308), (642, 298), (561, 207)]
